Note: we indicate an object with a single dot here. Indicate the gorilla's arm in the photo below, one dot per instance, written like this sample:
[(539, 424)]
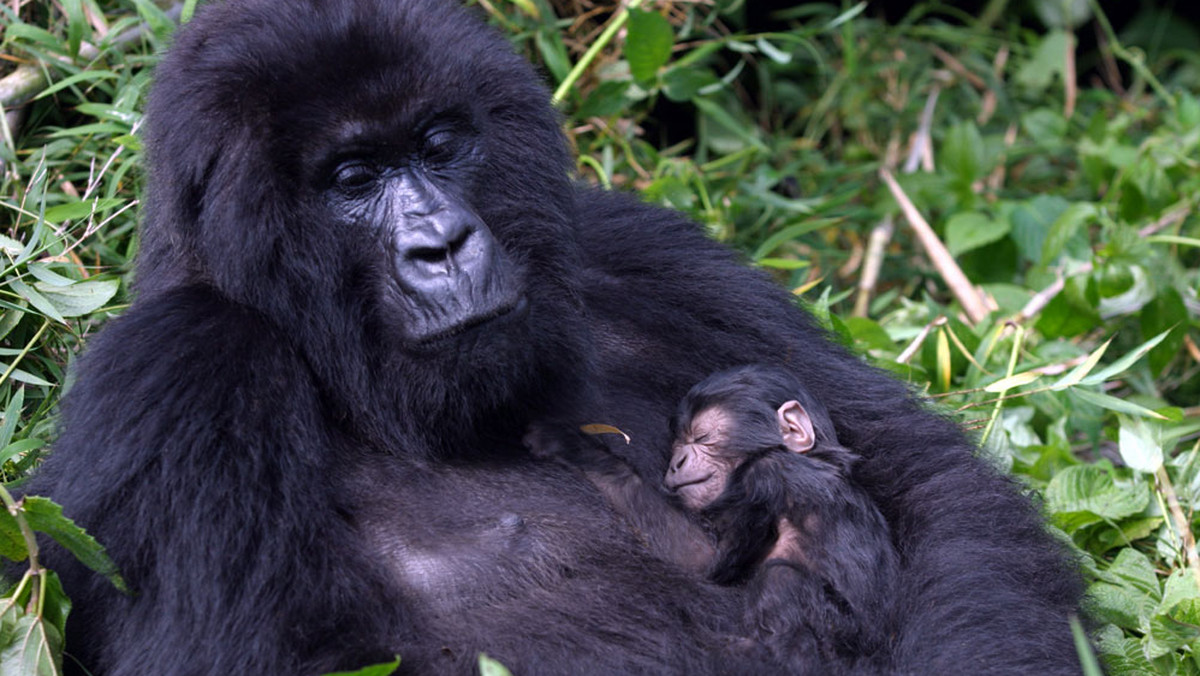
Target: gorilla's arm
[(982, 582), (194, 452)]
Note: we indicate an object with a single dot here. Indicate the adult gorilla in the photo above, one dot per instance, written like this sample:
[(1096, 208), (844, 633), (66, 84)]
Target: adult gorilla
[(364, 271)]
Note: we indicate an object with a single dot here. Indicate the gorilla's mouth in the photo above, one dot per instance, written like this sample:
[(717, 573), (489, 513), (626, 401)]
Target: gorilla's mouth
[(515, 307)]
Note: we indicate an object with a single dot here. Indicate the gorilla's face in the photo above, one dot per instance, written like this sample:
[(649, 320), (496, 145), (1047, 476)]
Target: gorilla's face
[(391, 190), (442, 271)]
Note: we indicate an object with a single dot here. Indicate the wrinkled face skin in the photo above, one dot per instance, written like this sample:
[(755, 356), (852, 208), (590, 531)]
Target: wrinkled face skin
[(700, 462), (446, 272)]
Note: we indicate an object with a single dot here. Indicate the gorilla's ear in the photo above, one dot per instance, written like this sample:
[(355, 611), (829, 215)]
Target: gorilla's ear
[(795, 426)]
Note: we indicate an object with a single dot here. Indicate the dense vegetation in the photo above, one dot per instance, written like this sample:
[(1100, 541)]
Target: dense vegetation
[(1000, 208)]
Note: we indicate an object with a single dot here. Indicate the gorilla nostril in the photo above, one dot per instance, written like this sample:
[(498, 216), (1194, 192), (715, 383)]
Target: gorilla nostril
[(459, 242), (429, 254)]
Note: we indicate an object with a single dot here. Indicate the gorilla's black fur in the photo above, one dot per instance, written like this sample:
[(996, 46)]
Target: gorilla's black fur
[(292, 484)]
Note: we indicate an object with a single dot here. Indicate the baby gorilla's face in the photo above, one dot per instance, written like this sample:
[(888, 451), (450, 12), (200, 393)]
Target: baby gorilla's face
[(700, 461)]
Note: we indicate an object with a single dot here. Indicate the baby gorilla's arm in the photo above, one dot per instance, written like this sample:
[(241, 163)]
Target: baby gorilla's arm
[(665, 529)]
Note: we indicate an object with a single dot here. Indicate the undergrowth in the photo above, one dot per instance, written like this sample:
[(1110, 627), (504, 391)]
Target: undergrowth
[(1001, 209)]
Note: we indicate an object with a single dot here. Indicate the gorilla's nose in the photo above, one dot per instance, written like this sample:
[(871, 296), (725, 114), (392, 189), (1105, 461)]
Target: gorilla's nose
[(444, 244)]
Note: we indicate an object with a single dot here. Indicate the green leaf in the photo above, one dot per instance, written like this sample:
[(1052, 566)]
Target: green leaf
[(1049, 59), (1113, 404), (19, 447), (1064, 228), (683, 83), (12, 544), (962, 153), (1086, 488), (1120, 365), (1180, 586), (75, 210), (30, 646), (772, 52), (384, 669), (647, 44), (491, 667), (45, 516), (81, 298), (1083, 647), (1077, 374), (968, 230), (605, 100), (1140, 445), (1012, 381), (37, 300)]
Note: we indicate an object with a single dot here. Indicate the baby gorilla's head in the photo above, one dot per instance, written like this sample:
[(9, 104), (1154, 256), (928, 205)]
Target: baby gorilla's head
[(736, 416)]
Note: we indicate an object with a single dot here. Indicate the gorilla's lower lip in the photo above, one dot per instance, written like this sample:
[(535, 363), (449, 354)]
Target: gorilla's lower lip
[(704, 479), (515, 307)]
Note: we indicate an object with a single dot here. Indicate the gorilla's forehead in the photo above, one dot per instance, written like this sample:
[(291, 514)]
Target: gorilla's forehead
[(363, 58)]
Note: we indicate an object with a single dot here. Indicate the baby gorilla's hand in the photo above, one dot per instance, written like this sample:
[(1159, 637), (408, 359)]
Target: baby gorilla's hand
[(570, 444)]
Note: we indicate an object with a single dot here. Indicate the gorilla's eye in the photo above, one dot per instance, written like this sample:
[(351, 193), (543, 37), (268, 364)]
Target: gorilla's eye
[(354, 175), (441, 145)]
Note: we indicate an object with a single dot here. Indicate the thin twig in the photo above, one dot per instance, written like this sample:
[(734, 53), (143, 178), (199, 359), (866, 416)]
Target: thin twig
[(920, 153), (987, 107), (957, 66), (877, 243), (1180, 519), (973, 304)]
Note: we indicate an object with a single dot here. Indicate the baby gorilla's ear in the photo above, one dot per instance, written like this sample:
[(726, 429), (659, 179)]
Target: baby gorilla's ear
[(795, 426)]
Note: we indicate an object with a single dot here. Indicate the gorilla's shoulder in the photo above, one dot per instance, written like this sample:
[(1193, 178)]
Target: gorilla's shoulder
[(184, 358)]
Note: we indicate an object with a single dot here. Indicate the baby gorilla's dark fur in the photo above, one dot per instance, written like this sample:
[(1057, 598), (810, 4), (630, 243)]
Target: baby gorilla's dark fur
[(816, 551), (757, 462)]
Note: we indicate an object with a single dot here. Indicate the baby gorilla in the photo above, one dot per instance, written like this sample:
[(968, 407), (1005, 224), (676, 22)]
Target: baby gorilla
[(768, 503)]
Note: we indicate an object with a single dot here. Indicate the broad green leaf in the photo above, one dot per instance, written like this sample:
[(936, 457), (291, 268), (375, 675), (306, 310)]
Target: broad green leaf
[(683, 83), (33, 647), (969, 230), (23, 376), (10, 246), (12, 544), (1180, 586), (19, 447), (1064, 228), (37, 300), (1048, 60), (491, 667), (1120, 365), (384, 669), (1121, 605), (605, 100), (47, 517), (1140, 445), (1113, 404), (1086, 488), (962, 152), (1012, 381), (1075, 375), (647, 44), (80, 298), (48, 276)]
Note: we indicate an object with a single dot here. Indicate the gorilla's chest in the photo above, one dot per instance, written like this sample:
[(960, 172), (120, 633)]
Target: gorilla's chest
[(454, 538)]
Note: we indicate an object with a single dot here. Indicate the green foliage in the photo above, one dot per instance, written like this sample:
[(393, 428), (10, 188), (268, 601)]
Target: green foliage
[(1073, 210)]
